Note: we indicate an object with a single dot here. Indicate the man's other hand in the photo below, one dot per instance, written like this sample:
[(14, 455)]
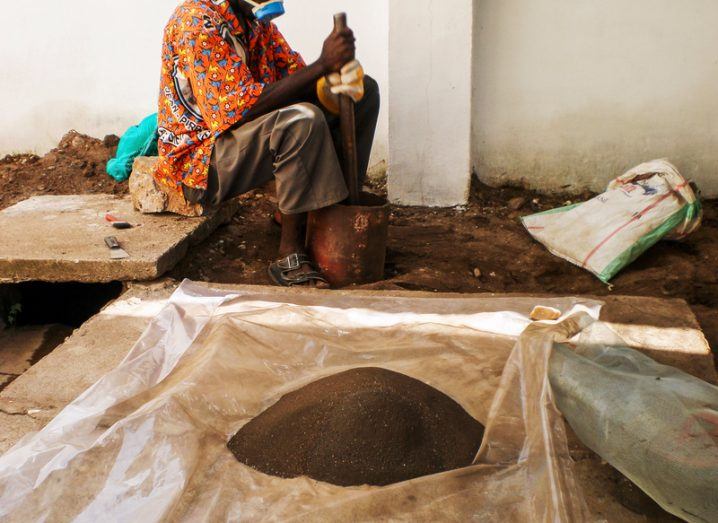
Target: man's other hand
[(339, 49), (350, 82)]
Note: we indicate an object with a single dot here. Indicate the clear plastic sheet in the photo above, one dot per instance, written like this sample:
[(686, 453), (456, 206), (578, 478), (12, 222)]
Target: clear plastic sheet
[(148, 441), (654, 423)]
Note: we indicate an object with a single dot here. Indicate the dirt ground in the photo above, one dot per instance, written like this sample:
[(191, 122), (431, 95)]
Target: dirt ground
[(480, 248)]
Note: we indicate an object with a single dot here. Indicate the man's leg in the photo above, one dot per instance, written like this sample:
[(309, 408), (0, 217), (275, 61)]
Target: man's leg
[(294, 145), (306, 165), (294, 234)]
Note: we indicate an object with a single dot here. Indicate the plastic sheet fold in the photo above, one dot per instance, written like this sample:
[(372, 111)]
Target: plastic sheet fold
[(148, 441), (656, 424)]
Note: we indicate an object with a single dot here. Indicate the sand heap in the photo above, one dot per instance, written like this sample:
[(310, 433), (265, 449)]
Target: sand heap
[(364, 426)]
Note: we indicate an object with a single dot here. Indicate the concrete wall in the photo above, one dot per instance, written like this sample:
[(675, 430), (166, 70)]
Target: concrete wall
[(430, 74), (571, 94), (93, 65)]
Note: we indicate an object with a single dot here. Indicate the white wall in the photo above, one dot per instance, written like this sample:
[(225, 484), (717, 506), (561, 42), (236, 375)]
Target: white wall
[(93, 65), (90, 65), (571, 94), (430, 73)]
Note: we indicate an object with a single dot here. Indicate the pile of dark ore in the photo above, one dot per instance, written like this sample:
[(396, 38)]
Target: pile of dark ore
[(366, 426)]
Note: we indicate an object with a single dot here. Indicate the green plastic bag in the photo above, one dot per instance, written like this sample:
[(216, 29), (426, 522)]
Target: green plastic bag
[(138, 140)]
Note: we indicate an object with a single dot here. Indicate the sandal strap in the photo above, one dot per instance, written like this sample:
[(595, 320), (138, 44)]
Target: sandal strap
[(281, 271), (305, 278), (293, 262)]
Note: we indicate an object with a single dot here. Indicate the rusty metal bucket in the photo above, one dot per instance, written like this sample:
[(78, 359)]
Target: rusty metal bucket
[(348, 242)]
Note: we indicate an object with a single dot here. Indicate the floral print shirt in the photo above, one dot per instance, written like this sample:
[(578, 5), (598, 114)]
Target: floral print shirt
[(213, 72)]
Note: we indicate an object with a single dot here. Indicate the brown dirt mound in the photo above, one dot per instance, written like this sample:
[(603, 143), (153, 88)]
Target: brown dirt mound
[(76, 166), (364, 426)]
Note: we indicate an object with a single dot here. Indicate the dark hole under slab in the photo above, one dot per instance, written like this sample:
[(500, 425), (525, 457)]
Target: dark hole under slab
[(36, 318), (41, 303)]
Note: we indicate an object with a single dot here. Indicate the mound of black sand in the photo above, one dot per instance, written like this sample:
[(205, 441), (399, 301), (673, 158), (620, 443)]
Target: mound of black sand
[(365, 426)]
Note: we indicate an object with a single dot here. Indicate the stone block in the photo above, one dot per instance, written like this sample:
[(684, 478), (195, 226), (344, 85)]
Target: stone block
[(144, 191), (149, 197)]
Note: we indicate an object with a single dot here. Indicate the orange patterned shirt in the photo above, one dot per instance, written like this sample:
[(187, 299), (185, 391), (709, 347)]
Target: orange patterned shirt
[(213, 72)]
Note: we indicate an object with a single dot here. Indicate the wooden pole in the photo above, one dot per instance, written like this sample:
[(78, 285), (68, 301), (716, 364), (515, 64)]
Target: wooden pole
[(348, 131)]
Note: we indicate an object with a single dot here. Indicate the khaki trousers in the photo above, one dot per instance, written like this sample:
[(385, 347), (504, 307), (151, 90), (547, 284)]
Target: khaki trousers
[(298, 146)]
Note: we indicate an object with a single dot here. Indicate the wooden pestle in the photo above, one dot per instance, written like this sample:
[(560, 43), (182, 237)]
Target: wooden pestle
[(348, 132)]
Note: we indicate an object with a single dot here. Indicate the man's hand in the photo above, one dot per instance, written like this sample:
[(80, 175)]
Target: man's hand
[(350, 82), (339, 49)]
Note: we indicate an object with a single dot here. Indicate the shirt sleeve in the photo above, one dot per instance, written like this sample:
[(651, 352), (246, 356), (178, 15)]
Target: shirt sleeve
[(222, 84), (287, 61)]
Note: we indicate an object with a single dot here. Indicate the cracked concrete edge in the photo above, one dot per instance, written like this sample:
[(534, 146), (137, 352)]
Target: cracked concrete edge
[(6, 379), (177, 252)]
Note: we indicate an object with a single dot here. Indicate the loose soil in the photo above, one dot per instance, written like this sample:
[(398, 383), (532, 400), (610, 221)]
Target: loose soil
[(480, 248), (366, 426), (76, 166)]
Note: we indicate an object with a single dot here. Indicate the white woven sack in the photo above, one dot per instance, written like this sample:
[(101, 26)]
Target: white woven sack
[(650, 202)]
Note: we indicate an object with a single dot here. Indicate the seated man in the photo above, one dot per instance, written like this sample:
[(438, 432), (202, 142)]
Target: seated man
[(238, 106)]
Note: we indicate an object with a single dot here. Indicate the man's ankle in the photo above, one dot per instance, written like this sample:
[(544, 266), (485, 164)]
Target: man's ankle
[(283, 253)]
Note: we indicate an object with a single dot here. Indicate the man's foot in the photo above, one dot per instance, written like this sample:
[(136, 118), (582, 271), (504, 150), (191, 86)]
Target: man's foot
[(296, 270)]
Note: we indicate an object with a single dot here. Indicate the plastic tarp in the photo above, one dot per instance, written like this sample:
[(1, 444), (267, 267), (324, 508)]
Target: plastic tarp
[(148, 441), (654, 423)]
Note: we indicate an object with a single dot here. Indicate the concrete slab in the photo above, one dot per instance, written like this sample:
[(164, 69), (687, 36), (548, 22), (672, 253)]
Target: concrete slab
[(34, 398), (665, 330), (93, 350), (61, 238)]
